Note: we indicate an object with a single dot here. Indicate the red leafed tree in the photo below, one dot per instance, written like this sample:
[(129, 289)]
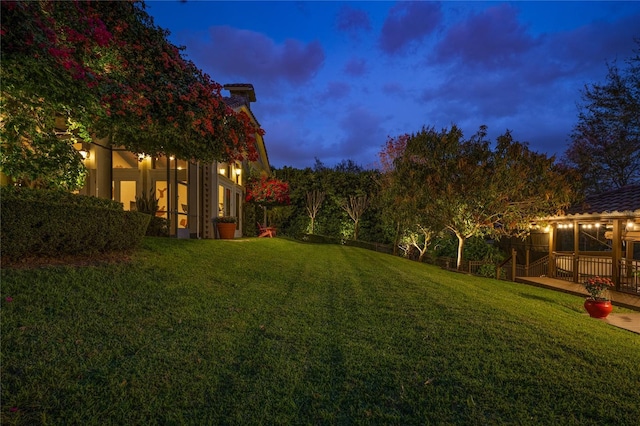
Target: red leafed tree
[(267, 191), (393, 148)]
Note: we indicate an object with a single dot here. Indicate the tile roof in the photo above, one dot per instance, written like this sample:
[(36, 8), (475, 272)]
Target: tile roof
[(625, 199), (235, 101)]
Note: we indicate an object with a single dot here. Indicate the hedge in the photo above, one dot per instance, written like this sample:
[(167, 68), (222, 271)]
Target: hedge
[(50, 223), (328, 239)]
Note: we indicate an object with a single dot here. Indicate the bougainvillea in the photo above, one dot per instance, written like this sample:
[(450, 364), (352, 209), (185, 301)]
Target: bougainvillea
[(267, 191), (106, 70)]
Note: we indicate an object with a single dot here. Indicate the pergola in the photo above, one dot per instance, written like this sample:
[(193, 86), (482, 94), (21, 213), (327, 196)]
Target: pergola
[(601, 236)]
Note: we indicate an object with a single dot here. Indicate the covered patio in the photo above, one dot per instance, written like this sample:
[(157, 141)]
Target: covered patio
[(601, 236)]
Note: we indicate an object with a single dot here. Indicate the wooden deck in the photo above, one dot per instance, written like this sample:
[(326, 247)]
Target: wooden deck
[(628, 321)]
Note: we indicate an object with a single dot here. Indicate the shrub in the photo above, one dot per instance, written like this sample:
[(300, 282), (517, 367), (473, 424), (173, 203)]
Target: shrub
[(489, 271), (158, 227), (54, 223), (58, 197), (149, 204)]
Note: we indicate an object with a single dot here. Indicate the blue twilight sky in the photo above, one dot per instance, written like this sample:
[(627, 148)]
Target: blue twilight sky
[(334, 79)]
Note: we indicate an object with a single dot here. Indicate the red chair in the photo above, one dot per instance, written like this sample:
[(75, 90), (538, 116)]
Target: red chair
[(266, 231)]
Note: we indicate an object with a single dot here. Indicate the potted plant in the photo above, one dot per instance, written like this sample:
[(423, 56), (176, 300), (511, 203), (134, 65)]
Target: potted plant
[(598, 305), (226, 226)]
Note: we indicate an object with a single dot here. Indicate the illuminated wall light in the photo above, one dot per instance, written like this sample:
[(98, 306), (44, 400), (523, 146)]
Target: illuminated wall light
[(571, 225), (238, 171), (597, 225), (221, 171), (172, 158), (84, 154)]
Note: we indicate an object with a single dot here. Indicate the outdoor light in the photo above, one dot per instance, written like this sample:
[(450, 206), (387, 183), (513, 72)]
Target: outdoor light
[(84, 153), (221, 170), (238, 171)]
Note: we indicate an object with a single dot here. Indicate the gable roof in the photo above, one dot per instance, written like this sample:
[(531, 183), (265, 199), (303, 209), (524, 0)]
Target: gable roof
[(625, 199), (236, 102)]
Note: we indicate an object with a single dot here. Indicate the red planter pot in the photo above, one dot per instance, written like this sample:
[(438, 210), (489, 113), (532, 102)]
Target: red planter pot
[(598, 308), (226, 231)]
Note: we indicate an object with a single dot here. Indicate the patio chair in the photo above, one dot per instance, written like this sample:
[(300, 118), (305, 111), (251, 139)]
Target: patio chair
[(266, 231)]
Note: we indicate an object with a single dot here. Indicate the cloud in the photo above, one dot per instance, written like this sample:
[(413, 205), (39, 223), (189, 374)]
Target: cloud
[(393, 89), (491, 38), (607, 40), (356, 67), (363, 135), (336, 90), (352, 20), (236, 53), (291, 144), (408, 22)]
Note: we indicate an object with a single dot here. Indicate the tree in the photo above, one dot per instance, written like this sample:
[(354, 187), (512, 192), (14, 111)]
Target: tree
[(605, 146), (87, 69), (397, 211), (468, 189), (314, 201), (418, 238), (355, 206), (443, 178)]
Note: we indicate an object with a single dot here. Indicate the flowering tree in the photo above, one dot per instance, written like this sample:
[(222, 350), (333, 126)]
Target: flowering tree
[(267, 191), (104, 69)]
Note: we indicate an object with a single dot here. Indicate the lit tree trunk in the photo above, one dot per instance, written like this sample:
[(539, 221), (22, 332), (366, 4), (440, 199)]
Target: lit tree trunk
[(421, 247), (355, 207), (314, 201), (460, 249)]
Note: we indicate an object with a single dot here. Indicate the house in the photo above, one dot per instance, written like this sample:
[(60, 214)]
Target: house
[(600, 236), (190, 193)]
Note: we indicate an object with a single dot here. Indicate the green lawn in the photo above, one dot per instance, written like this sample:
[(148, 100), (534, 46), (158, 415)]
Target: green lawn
[(271, 331)]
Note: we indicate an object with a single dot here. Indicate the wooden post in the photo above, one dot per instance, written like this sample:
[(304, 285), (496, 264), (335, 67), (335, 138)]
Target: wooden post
[(514, 256), (616, 251), (551, 268), (576, 250), (526, 264)]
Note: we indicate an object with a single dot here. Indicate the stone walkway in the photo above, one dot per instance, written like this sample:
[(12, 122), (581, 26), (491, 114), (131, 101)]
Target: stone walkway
[(628, 321)]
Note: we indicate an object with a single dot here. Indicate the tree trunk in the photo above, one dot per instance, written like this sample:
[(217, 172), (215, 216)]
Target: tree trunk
[(396, 239), (460, 249)]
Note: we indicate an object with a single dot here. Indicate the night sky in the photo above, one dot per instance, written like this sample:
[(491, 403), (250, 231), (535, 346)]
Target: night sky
[(334, 79)]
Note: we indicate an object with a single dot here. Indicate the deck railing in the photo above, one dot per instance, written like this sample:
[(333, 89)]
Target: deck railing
[(535, 269), (630, 275), (565, 265), (571, 267)]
